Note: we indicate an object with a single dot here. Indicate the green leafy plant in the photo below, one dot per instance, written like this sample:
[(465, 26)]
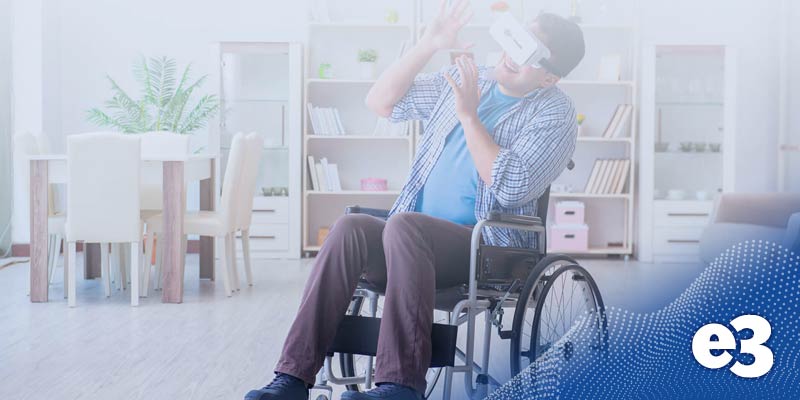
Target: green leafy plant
[(164, 103), (367, 55)]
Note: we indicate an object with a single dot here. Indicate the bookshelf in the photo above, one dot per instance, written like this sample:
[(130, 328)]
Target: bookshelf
[(610, 216), (390, 156), (335, 39)]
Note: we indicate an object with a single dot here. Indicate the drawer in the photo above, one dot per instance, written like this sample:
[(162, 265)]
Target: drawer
[(270, 237), (677, 240), (682, 213), (270, 210)]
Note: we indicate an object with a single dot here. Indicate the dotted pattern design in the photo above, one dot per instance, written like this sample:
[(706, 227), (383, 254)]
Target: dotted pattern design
[(649, 356)]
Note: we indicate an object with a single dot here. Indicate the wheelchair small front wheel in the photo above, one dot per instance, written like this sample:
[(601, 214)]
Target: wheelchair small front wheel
[(557, 293)]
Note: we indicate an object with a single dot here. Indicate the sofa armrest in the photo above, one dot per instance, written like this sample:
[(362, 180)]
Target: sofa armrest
[(791, 240)]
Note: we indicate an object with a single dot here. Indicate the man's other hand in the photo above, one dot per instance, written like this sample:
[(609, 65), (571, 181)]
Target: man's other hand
[(467, 95)]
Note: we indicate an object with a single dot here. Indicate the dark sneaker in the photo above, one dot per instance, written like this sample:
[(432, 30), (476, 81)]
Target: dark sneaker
[(385, 391), (283, 387)]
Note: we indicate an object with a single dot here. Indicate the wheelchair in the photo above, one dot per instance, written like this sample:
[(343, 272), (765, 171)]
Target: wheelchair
[(549, 293)]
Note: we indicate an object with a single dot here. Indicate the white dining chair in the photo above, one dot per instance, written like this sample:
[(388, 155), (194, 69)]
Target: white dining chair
[(244, 209), (103, 185), (220, 223)]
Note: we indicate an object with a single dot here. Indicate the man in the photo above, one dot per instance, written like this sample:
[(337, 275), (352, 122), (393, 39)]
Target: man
[(494, 140)]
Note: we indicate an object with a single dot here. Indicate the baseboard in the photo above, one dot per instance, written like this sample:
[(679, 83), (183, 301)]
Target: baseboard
[(24, 249)]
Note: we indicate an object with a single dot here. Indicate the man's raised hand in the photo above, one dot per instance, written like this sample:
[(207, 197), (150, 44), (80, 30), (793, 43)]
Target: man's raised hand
[(442, 32)]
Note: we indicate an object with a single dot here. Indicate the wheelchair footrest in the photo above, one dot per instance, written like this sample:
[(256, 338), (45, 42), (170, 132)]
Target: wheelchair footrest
[(359, 335)]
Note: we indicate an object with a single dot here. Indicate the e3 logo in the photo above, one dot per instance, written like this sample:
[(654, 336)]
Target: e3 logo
[(702, 345)]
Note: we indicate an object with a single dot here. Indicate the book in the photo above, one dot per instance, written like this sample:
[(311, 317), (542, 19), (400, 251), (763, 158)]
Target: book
[(321, 176), (622, 128), (339, 125), (612, 124), (312, 115), (312, 172), (626, 166), (592, 177), (606, 175), (616, 167), (333, 178)]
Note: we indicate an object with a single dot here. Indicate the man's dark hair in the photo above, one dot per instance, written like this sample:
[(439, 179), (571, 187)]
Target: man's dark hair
[(564, 38)]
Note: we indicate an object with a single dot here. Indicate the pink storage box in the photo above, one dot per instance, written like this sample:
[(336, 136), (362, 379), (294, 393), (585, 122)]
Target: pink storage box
[(570, 213), (374, 185), (568, 238)]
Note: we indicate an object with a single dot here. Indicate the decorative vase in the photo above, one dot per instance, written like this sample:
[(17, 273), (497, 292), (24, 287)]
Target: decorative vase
[(367, 70)]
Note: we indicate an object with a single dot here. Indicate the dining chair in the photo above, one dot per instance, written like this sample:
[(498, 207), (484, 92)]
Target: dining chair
[(103, 203), (244, 209), (220, 223)]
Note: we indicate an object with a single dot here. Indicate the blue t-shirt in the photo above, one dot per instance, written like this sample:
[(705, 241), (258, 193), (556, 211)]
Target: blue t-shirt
[(449, 192)]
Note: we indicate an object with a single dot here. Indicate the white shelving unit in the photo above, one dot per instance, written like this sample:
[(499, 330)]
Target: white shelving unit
[(358, 153), (610, 216)]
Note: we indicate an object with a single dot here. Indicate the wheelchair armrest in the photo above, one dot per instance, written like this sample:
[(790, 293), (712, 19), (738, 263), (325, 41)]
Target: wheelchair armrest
[(523, 220), (375, 212)]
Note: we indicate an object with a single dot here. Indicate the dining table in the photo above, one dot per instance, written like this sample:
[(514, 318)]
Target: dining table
[(173, 173)]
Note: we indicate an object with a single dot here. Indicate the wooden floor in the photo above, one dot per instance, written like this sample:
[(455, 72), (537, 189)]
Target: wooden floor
[(209, 347)]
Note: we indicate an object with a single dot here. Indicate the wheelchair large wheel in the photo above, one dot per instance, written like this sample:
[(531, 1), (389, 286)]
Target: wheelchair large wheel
[(355, 364), (557, 293)]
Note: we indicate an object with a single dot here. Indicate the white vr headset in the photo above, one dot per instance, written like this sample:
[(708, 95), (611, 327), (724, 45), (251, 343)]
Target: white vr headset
[(521, 45)]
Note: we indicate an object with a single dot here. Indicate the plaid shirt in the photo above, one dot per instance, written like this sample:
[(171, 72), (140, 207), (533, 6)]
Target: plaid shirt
[(536, 138)]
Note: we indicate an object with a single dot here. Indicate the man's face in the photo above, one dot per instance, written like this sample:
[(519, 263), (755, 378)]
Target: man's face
[(520, 80)]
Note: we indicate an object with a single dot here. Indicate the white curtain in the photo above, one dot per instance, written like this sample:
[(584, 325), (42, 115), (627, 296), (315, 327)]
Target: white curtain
[(6, 176)]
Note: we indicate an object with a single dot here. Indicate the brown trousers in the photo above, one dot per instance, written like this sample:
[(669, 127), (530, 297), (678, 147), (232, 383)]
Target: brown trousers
[(412, 254)]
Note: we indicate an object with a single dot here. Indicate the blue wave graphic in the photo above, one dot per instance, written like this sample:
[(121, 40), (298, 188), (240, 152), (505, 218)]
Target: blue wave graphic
[(649, 356)]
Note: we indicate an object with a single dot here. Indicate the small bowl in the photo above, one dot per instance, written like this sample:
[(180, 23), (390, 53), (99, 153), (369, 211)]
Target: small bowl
[(715, 147), (686, 146), (662, 147), (700, 147)]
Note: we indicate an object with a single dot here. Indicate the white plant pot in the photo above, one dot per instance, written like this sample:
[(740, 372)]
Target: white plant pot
[(367, 70)]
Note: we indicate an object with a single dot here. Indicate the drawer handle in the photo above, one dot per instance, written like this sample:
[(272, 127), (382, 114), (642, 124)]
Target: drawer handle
[(569, 212), (570, 236), (687, 214), (268, 210), (682, 241), (271, 237)]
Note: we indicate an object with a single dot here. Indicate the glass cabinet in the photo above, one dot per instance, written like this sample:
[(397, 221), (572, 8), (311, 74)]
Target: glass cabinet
[(260, 89), (688, 145)]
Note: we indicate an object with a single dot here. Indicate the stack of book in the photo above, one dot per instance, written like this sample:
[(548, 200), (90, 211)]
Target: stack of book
[(608, 177), (324, 175), (620, 123), (386, 128), (325, 120)]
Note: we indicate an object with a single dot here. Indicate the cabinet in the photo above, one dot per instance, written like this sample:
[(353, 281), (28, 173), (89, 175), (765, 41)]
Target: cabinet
[(260, 89), (688, 146)]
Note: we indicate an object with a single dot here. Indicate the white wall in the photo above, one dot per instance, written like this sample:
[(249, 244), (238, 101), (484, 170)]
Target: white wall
[(84, 41), (99, 37)]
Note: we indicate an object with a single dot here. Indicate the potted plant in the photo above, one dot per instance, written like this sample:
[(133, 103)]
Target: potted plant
[(366, 62), (581, 117), (164, 104)]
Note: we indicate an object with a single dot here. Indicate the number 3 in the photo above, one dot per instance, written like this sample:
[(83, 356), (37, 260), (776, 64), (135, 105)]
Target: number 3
[(755, 346)]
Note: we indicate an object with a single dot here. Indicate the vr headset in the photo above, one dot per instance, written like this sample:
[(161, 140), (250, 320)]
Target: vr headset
[(521, 45)]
